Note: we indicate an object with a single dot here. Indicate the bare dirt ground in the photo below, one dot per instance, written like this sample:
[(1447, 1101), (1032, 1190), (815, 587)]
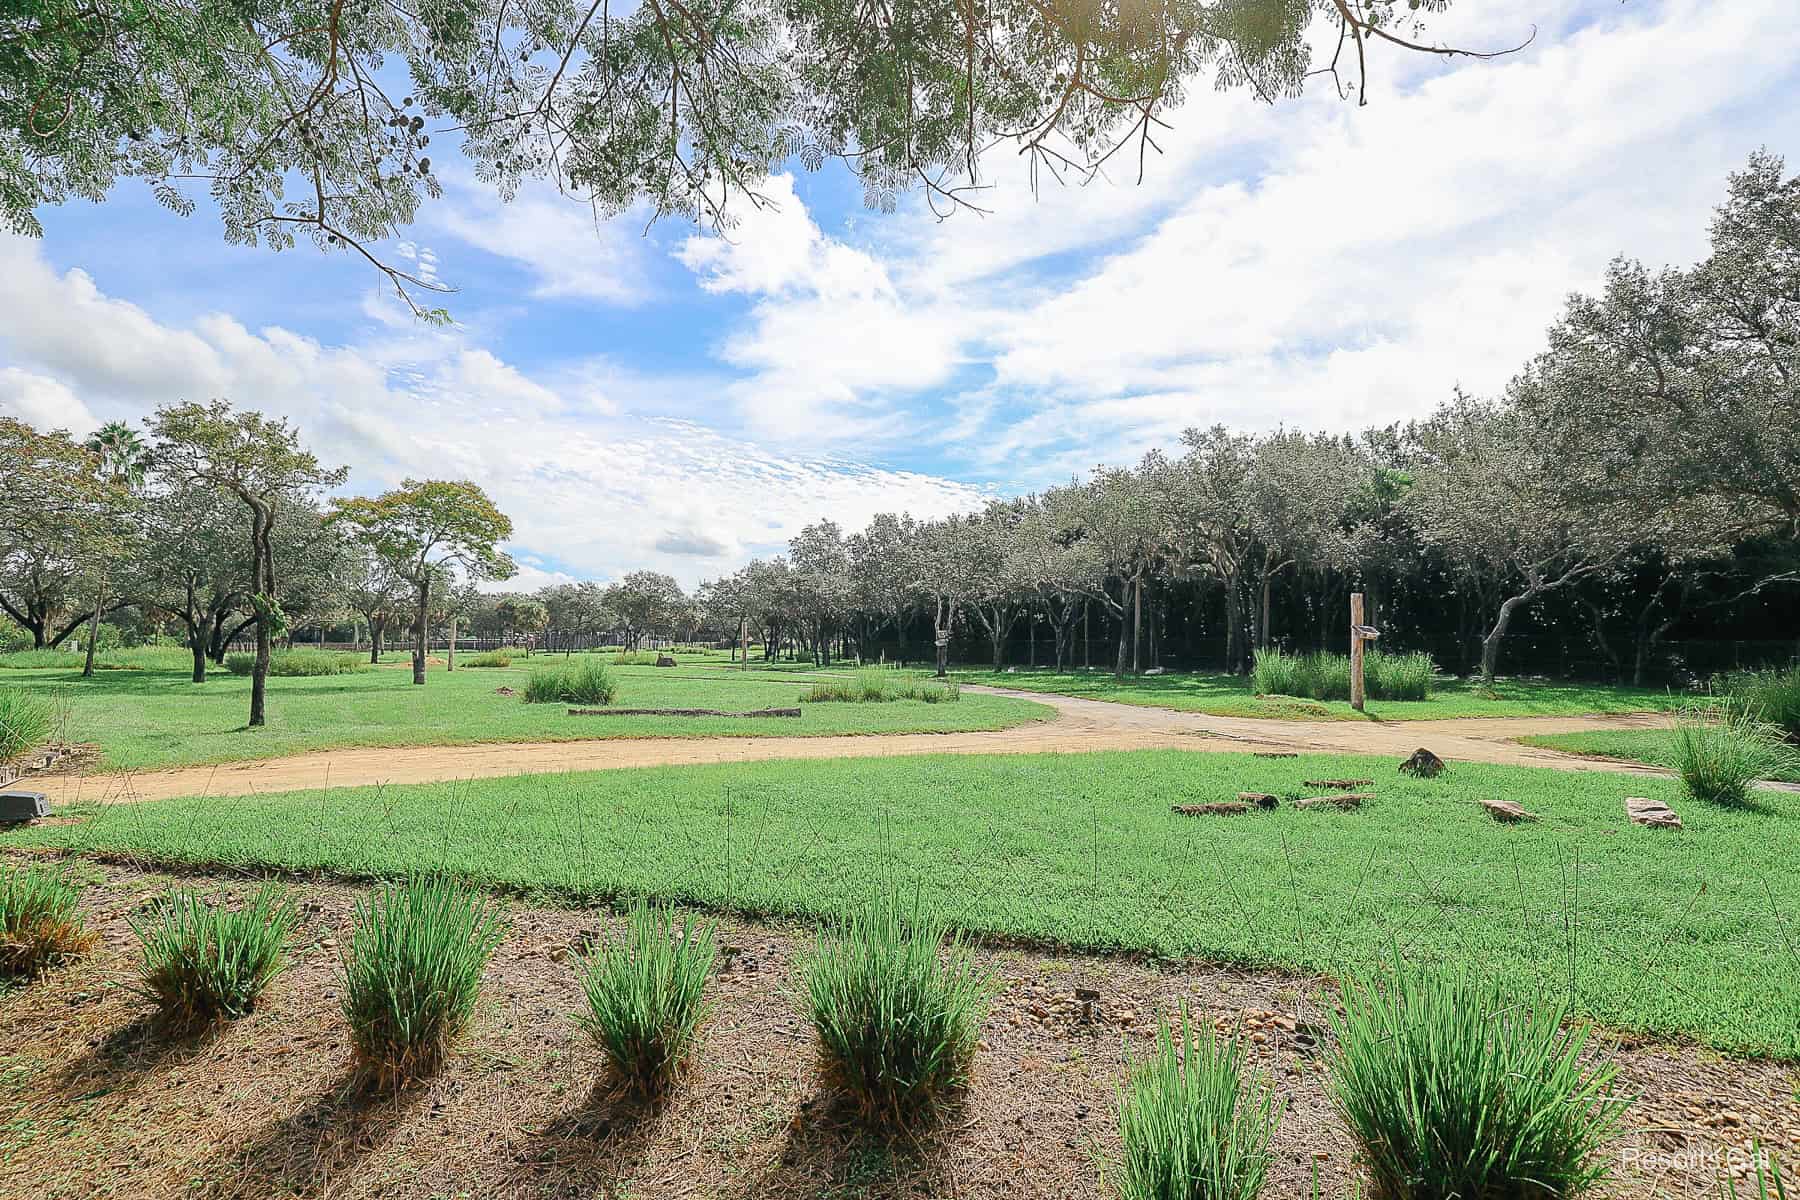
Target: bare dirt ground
[(1080, 726), (95, 1099)]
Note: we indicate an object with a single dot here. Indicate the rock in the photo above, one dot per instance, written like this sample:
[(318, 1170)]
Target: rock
[(1347, 785), (1652, 813), (1507, 812), (1341, 800), (1260, 799), (666, 660), (1423, 764), (1223, 808), (1157, 671)]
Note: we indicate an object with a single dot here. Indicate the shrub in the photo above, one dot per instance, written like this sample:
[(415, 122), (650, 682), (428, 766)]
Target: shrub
[(1190, 1127), (1452, 1087), (634, 658), (1772, 695), (300, 663), (201, 963), (897, 1003), (878, 685), (1322, 676), (26, 718), (643, 995), (412, 974), (574, 681), (489, 658), (1722, 747), (40, 921)]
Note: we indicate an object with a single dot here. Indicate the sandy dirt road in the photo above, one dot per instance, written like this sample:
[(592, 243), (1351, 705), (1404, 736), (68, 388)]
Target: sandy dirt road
[(1079, 726)]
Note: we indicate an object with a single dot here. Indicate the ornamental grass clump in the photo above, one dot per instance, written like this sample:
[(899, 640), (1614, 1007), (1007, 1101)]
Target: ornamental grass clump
[(878, 685), (897, 1003), (488, 658), (1192, 1124), (202, 962), (644, 995), (26, 717), (1452, 1088), (1322, 676), (412, 974), (1722, 747), (573, 681), (40, 921), (1772, 695)]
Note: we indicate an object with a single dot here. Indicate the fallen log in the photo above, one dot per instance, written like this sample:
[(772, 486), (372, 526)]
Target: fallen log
[(681, 712), (1223, 808), (1260, 799)]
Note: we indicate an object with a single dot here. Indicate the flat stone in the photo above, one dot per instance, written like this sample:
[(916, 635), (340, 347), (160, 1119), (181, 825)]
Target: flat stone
[(1652, 813), (1223, 808), (1507, 812), (1260, 799), (1342, 800)]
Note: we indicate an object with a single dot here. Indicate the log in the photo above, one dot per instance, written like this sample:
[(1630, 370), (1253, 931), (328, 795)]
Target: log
[(1340, 800), (1260, 799), (681, 712), (1652, 814), (1507, 812), (1347, 785), (1223, 808)]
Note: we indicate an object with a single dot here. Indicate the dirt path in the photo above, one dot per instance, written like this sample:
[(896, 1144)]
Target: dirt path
[(1080, 726)]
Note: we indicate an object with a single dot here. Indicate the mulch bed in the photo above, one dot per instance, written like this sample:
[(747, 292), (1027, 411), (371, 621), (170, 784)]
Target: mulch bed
[(95, 1100)]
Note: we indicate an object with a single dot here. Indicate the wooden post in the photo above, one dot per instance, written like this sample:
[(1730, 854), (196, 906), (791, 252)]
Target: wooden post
[(1356, 651)]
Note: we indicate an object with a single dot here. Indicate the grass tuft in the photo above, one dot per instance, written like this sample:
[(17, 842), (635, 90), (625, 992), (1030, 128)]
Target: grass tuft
[(1191, 1127), (1322, 676), (488, 658), (1772, 695), (1721, 748), (202, 963), (897, 1003), (877, 685), (26, 718), (412, 974), (573, 681), (644, 995), (1455, 1088), (40, 921), (300, 663)]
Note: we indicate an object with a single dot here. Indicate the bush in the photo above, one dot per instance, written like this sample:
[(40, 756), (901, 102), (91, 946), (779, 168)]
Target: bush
[(634, 658), (300, 663), (1451, 1087), (412, 974), (1322, 676), (897, 1003), (40, 921), (877, 685), (26, 718), (1772, 695), (643, 994), (1190, 1127), (585, 680), (201, 963), (489, 658), (1721, 748)]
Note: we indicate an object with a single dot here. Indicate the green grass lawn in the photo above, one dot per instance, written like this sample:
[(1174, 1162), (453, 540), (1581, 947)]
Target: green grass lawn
[(1653, 746), (1689, 934), (1232, 696), (148, 718)]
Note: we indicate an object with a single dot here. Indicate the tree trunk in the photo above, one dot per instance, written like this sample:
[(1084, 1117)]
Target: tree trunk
[(198, 645), (1490, 645), (87, 669), (375, 628), (264, 600), (1137, 623), (1262, 630), (421, 616), (450, 655)]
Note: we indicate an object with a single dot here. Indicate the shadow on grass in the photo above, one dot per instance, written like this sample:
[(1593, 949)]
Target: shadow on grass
[(593, 1149), (135, 1054), (308, 1151)]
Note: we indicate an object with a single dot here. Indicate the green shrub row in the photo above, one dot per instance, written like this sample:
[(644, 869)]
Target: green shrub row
[(301, 662), (1449, 1087), (1322, 676), (876, 685), (574, 680)]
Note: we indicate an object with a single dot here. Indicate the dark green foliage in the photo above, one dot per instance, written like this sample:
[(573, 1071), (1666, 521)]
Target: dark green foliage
[(897, 1003), (25, 720), (1454, 1088), (1191, 1127), (202, 962), (40, 921), (412, 974), (302, 662), (1722, 748), (644, 995), (1322, 676), (583, 680)]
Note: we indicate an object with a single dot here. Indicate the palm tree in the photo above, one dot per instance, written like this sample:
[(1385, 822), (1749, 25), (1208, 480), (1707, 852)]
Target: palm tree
[(122, 460)]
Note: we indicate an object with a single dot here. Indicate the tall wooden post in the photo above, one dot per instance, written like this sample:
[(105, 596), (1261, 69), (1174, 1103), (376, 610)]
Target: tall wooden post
[(1356, 651)]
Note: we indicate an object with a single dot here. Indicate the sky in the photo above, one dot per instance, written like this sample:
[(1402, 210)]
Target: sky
[(673, 399)]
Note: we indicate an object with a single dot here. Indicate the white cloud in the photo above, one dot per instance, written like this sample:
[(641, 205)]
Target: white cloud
[(571, 251), (43, 402)]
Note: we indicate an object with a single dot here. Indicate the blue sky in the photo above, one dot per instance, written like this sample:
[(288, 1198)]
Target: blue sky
[(678, 400)]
